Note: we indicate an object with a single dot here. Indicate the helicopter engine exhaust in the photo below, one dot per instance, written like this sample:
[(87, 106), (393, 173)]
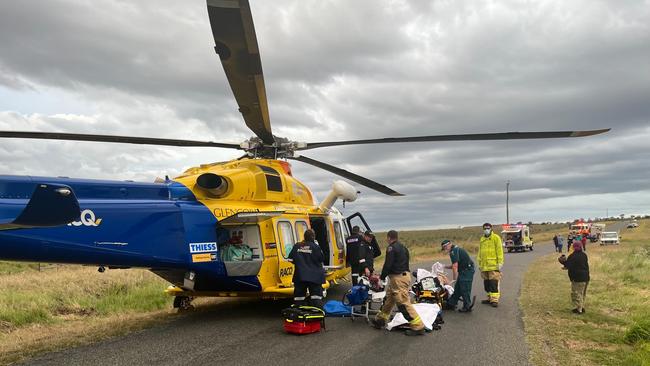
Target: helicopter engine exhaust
[(342, 190), (213, 184)]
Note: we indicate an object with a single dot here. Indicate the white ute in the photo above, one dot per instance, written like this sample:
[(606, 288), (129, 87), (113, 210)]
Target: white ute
[(609, 237)]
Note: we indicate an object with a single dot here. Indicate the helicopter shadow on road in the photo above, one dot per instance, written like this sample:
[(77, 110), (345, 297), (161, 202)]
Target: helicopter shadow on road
[(216, 308)]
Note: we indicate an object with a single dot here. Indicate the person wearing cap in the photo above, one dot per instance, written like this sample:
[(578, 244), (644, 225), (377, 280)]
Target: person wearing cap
[(370, 251), (369, 236), (577, 265), (490, 261), (396, 268), (463, 273)]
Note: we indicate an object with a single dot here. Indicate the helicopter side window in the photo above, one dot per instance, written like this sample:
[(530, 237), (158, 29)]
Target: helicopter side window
[(339, 234), (346, 231), (301, 227), (285, 232)]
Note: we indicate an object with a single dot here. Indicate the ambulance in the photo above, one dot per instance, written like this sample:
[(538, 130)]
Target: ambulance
[(516, 237)]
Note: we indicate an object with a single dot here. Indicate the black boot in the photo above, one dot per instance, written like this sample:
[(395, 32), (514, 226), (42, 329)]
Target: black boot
[(471, 306), (411, 332), (378, 323)]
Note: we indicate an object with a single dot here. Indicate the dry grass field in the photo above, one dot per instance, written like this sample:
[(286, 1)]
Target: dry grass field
[(615, 329)]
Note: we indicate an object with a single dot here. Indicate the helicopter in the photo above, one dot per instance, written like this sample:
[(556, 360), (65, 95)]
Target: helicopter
[(221, 229)]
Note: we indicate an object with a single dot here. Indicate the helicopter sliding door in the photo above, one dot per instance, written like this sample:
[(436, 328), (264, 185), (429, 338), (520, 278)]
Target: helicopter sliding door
[(289, 232)]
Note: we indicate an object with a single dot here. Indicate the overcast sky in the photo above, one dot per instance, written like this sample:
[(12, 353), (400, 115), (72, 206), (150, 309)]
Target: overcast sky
[(339, 70)]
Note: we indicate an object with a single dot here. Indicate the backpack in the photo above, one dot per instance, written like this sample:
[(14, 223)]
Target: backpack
[(357, 295)]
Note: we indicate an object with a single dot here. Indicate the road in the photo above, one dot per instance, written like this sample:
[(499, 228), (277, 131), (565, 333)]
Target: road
[(249, 332)]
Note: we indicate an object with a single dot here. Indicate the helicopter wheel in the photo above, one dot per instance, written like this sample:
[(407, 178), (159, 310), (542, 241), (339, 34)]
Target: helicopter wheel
[(183, 303)]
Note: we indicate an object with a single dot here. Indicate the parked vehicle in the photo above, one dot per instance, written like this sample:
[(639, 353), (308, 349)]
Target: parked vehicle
[(609, 237), (632, 225), (591, 230), (516, 238)]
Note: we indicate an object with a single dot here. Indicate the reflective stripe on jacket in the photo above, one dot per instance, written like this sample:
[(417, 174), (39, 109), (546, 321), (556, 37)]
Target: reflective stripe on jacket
[(490, 253)]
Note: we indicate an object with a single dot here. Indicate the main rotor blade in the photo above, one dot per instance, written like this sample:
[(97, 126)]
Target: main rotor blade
[(346, 174), (463, 137), (236, 44), (110, 138)]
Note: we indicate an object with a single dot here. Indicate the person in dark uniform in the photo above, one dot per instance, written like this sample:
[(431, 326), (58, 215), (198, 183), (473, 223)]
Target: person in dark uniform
[(396, 268), (373, 251), (307, 258), (463, 272), (353, 254)]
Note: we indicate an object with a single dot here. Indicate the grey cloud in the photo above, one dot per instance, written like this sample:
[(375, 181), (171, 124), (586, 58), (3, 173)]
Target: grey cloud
[(351, 70)]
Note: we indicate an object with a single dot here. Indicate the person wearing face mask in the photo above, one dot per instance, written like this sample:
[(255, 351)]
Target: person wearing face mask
[(490, 261)]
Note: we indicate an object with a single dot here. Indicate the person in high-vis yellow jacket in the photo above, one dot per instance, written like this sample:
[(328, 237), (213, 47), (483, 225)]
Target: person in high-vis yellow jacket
[(490, 261)]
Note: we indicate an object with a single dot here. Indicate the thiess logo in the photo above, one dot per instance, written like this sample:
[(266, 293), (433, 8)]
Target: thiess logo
[(87, 218), (203, 247)]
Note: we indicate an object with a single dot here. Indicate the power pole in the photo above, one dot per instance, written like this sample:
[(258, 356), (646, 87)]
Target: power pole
[(507, 202)]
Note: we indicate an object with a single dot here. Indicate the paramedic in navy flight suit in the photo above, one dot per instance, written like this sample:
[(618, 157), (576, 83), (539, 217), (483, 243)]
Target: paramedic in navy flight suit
[(353, 254), (307, 257)]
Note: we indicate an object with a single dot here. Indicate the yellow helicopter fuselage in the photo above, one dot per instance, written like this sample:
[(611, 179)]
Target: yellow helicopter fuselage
[(261, 212)]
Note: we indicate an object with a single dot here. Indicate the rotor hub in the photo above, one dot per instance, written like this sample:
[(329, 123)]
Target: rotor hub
[(280, 149)]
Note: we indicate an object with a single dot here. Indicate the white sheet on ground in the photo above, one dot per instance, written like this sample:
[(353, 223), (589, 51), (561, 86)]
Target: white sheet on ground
[(427, 312)]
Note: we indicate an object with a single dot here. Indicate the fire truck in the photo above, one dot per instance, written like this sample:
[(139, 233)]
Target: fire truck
[(590, 230), (516, 237)]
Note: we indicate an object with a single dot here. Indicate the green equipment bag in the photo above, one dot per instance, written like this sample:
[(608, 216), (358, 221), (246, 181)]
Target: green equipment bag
[(236, 252)]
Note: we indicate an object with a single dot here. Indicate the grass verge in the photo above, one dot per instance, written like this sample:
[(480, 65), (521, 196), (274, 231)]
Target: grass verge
[(615, 329), (17, 267), (73, 305)]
